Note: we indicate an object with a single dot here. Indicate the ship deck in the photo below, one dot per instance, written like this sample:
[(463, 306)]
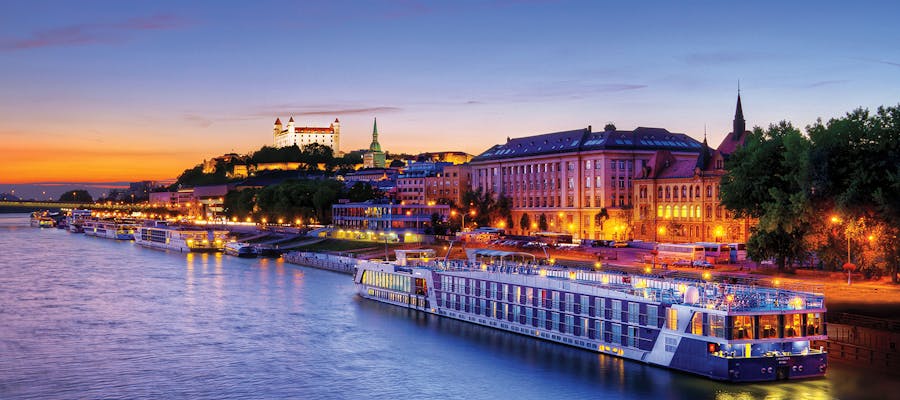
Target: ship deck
[(732, 298)]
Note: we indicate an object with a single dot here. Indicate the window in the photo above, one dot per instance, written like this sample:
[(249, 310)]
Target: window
[(743, 327), (617, 310), (672, 319), (616, 334), (671, 344), (708, 191), (716, 325), (793, 325), (652, 315), (697, 323), (631, 339), (684, 191), (768, 326), (587, 164), (634, 312)]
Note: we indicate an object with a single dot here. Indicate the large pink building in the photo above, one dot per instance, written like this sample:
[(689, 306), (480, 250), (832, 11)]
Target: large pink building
[(568, 178)]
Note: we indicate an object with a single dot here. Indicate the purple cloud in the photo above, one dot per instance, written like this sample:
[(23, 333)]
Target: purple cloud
[(94, 33)]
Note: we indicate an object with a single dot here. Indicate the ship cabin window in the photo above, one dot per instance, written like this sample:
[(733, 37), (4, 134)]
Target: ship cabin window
[(617, 310), (716, 325), (768, 326), (814, 324), (793, 325), (652, 316), (742, 327), (697, 323), (672, 319)]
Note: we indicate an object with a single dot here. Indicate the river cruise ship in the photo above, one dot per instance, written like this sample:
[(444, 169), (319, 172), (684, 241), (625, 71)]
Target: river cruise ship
[(180, 238), (75, 220), (725, 332), (110, 229)]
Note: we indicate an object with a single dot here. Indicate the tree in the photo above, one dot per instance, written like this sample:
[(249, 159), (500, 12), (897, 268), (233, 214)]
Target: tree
[(509, 222), (363, 191), (76, 196), (779, 197), (542, 222), (525, 222), (397, 164), (855, 173), (601, 217)]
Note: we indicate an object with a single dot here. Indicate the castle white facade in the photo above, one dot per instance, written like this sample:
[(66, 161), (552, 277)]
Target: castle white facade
[(303, 135)]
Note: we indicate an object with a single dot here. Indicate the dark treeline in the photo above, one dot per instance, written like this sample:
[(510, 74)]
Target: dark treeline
[(308, 201)]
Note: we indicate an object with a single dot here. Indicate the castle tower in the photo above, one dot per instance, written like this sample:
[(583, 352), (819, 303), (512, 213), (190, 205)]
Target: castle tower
[(290, 125), (336, 129), (277, 128)]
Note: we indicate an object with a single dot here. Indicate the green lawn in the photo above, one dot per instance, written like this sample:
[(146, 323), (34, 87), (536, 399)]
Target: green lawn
[(343, 246)]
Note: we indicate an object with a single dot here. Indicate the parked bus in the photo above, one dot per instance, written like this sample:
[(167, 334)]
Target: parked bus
[(738, 252), (680, 252), (716, 252)]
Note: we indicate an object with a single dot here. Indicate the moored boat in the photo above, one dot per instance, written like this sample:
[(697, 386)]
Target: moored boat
[(180, 238), (110, 229), (240, 249), (726, 332)]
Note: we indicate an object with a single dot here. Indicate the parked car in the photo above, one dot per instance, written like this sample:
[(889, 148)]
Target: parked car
[(702, 264), (682, 263), (620, 244)]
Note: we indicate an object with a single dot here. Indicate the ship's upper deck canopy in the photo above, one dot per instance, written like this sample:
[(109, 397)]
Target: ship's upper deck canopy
[(730, 298), (498, 257)]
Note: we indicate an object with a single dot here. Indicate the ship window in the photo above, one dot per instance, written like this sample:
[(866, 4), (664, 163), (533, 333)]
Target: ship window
[(716, 325), (632, 336), (813, 324), (697, 323), (617, 310), (634, 312), (652, 315), (742, 327), (793, 325), (672, 319), (768, 326), (616, 334)]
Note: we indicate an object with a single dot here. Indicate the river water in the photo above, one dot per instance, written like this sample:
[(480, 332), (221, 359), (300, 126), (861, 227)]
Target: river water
[(83, 317)]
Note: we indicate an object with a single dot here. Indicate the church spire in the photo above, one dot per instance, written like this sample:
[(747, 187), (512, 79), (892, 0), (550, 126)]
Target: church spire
[(375, 147), (739, 124)]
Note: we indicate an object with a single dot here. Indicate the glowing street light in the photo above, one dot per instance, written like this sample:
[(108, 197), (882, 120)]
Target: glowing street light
[(848, 266)]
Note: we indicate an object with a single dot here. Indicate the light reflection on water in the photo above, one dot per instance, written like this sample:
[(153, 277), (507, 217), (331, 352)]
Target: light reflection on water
[(93, 318)]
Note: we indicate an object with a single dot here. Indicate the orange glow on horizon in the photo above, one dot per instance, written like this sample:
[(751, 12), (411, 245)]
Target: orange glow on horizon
[(58, 163)]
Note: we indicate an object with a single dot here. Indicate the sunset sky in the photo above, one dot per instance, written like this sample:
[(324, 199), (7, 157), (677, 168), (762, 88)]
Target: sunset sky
[(99, 91)]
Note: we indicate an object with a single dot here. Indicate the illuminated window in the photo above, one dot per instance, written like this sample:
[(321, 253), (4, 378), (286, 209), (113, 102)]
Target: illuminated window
[(672, 319), (768, 326), (793, 325), (743, 327), (697, 324)]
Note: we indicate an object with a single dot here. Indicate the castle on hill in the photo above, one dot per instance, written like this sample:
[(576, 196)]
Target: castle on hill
[(301, 136)]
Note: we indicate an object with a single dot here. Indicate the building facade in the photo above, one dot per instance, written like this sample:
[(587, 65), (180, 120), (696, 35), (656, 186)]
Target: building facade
[(384, 221), (301, 136), (679, 200), (578, 182)]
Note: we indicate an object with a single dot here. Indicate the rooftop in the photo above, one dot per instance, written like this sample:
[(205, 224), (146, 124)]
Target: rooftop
[(584, 139)]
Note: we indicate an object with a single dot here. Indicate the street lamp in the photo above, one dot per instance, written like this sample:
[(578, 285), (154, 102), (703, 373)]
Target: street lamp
[(848, 266)]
